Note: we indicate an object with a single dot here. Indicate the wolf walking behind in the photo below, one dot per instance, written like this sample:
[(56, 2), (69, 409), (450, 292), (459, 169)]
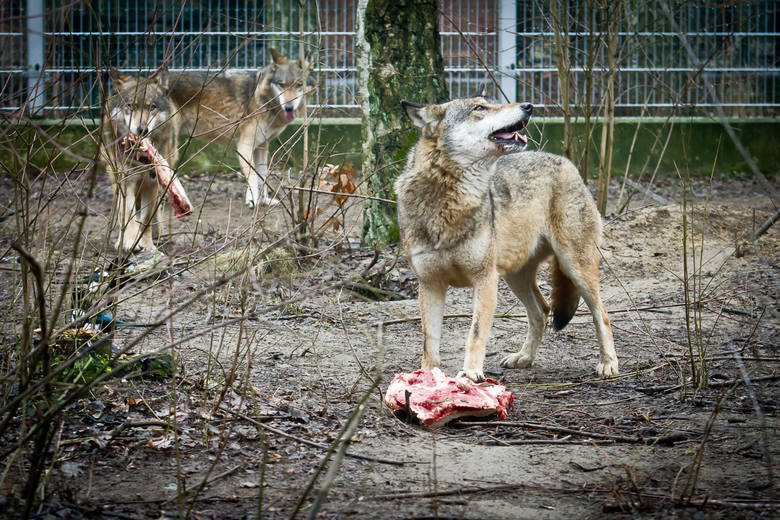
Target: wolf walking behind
[(472, 209), (243, 109)]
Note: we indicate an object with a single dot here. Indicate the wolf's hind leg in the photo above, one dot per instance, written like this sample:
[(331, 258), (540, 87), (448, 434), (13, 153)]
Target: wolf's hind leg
[(431, 297), (586, 278), (523, 284)]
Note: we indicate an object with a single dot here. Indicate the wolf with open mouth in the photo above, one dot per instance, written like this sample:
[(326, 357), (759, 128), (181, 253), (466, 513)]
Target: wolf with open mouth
[(471, 210), (243, 109)]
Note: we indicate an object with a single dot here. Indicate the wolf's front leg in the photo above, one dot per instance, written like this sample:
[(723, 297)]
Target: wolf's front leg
[(482, 319), (147, 197), (129, 231), (261, 167), (431, 297), (246, 152)]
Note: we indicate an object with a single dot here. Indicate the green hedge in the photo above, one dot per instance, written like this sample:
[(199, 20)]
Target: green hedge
[(693, 144)]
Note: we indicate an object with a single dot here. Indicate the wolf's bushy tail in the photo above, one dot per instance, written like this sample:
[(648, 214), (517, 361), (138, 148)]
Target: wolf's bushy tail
[(565, 297)]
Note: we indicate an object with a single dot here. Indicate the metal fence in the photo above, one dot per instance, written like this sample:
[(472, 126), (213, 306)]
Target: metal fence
[(70, 47)]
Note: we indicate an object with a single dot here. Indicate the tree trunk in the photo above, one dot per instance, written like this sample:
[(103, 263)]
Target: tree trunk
[(398, 57)]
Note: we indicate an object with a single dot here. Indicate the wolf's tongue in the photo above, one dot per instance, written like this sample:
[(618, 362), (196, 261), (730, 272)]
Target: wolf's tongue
[(289, 115), (511, 136)]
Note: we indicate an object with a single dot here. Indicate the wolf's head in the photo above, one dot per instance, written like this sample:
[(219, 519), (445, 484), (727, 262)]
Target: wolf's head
[(472, 130), (285, 81), (139, 106)]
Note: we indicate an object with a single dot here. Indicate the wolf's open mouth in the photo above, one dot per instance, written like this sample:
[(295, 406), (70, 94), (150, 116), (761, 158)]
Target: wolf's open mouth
[(510, 134), (289, 115)]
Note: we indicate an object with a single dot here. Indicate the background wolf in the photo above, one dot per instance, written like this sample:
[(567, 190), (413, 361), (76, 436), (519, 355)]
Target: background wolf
[(469, 214), (244, 109), (139, 107)]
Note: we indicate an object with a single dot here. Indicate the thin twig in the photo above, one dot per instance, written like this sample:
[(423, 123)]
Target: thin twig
[(716, 384), (768, 187), (646, 191), (340, 194), (307, 441), (663, 439)]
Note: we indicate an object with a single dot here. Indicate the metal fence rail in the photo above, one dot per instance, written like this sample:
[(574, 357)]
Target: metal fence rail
[(736, 41), (78, 42)]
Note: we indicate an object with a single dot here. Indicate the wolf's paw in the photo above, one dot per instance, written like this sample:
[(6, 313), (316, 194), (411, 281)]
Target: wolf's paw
[(144, 261), (131, 247), (519, 360), (607, 369), (430, 364), (255, 197), (475, 375)]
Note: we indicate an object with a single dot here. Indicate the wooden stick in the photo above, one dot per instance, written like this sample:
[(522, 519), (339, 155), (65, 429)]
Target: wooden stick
[(340, 194), (646, 191), (759, 503), (515, 442), (497, 316), (765, 226), (664, 439), (716, 384)]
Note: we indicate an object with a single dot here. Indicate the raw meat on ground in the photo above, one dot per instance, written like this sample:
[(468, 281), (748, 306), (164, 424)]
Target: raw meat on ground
[(436, 399)]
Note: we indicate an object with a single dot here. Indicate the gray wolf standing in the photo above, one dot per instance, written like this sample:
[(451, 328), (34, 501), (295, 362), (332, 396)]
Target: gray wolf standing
[(243, 109), (140, 107), (471, 209)]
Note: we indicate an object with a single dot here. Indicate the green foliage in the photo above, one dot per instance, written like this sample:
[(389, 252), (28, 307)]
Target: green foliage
[(85, 369)]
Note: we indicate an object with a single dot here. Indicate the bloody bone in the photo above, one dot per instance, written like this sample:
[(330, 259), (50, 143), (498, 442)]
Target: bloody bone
[(174, 190), (436, 399)]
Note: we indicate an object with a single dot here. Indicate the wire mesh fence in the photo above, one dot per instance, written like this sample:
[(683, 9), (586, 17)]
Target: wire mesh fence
[(736, 43)]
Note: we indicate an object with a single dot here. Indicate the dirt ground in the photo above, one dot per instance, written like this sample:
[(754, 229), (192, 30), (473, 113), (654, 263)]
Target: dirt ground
[(645, 444)]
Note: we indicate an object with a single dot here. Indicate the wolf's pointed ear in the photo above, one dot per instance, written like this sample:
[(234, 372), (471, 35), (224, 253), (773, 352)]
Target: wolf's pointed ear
[(424, 117), (305, 61), (278, 58), (163, 79), (482, 91), (415, 112), (116, 76)]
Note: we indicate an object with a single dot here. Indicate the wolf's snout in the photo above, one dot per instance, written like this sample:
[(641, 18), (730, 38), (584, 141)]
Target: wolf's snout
[(142, 130), (528, 107), (289, 107)]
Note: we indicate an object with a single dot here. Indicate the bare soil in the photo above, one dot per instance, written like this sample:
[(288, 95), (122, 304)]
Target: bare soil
[(645, 444)]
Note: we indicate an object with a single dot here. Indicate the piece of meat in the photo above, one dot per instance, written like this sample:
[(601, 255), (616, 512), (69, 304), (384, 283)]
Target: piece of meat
[(436, 399), (172, 186)]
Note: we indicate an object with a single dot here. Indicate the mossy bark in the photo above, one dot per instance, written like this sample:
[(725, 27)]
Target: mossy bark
[(399, 57)]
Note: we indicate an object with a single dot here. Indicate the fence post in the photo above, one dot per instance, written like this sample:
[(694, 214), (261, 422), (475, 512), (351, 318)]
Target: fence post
[(507, 48), (35, 55)]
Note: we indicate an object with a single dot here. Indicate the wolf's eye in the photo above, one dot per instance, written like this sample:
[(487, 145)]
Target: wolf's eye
[(153, 106), (479, 107)]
